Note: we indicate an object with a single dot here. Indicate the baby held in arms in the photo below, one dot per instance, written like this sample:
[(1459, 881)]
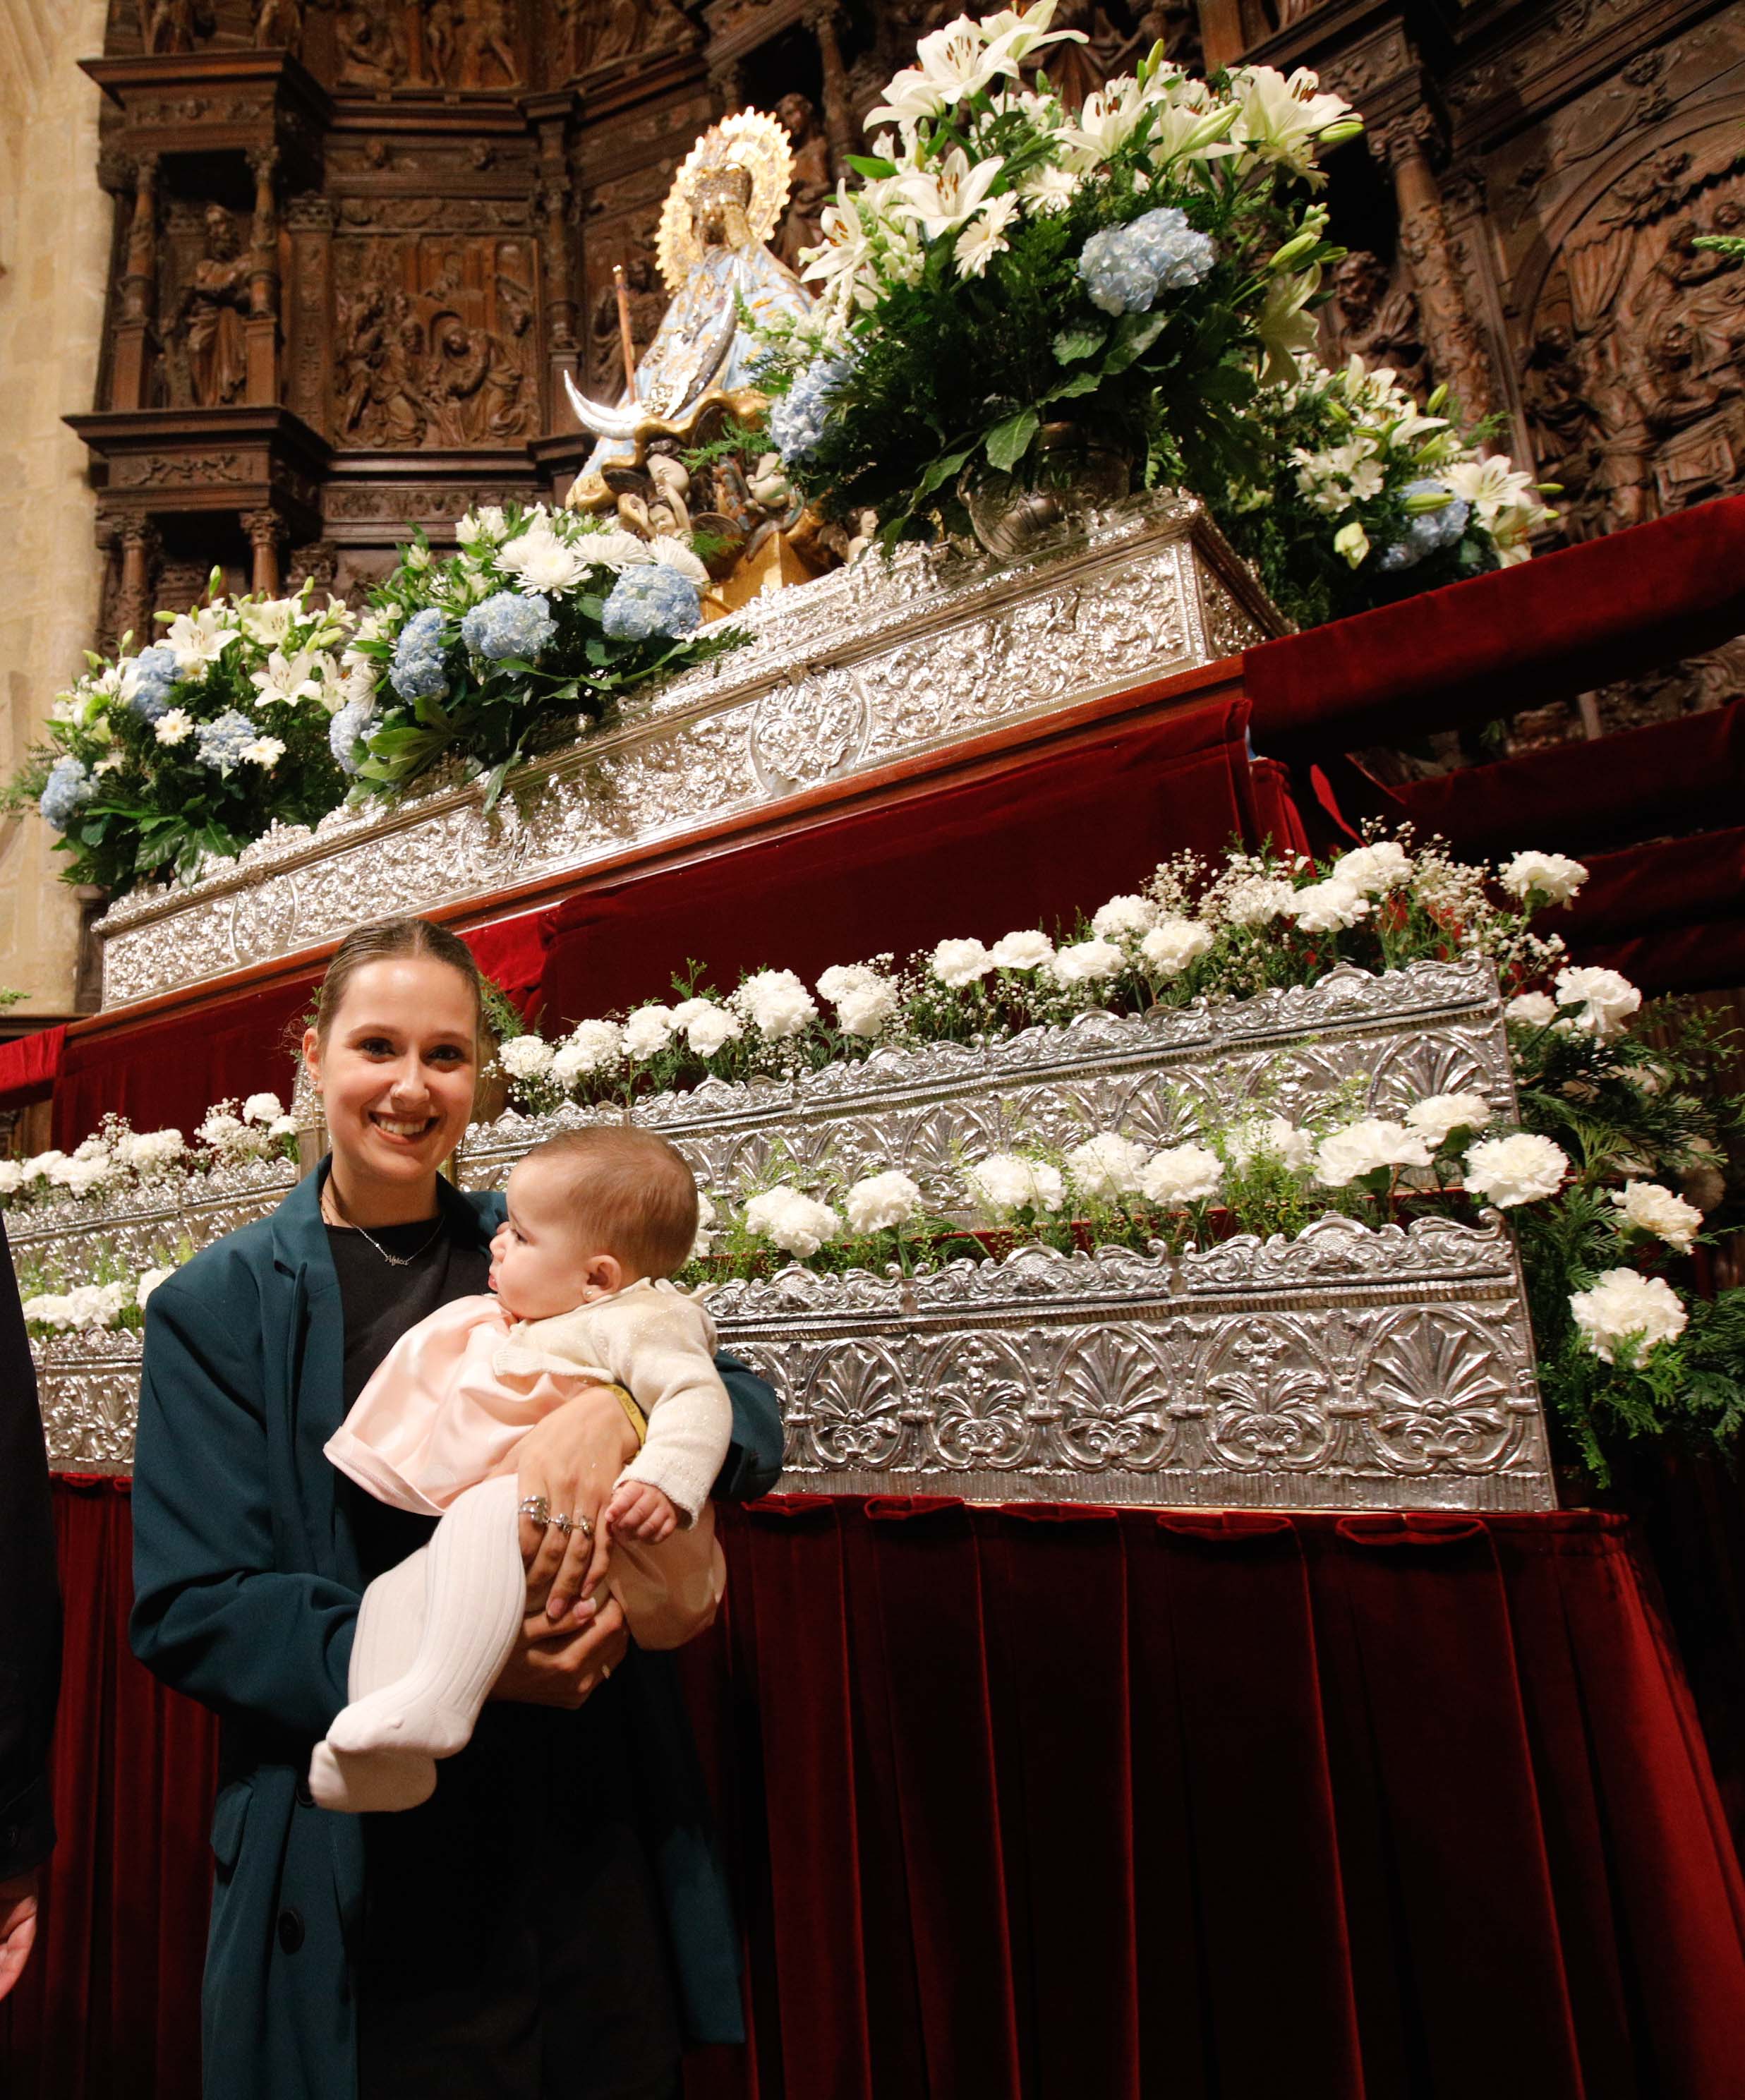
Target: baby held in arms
[(598, 1221)]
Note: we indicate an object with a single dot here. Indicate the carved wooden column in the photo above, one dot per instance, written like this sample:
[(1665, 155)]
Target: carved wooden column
[(1456, 350), (139, 548), (261, 324), (130, 372), (839, 115), (727, 86), (266, 532), (309, 352)]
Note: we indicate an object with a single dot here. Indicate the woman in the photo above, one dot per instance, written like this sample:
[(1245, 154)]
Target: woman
[(553, 1919)]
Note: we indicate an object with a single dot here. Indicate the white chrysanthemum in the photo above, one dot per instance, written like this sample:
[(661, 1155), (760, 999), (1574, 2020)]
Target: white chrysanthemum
[(960, 962), (648, 1031), (1553, 878), (1365, 1148), (264, 751), (148, 1283), (1021, 951), (1436, 1119), (676, 555), (882, 1202), (1174, 943), (1258, 901), (1123, 914), (1006, 1181), (526, 1056), (540, 560), (1372, 870), (777, 1005), (1086, 961), (1329, 907), (1270, 1137), (1604, 1000), (614, 550), (594, 1046), (262, 1108), (1624, 1307), (1108, 1166), (1647, 1207), (1181, 1174), (176, 726), (798, 1225), (1531, 1009), (1523, 1168)]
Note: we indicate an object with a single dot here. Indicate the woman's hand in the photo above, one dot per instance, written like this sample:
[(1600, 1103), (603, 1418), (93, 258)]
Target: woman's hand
[(572, 1459), (546, 1668)]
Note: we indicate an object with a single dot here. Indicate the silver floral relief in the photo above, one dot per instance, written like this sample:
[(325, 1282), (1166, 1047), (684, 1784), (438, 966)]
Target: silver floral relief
[(863, 665), (89, 1393)]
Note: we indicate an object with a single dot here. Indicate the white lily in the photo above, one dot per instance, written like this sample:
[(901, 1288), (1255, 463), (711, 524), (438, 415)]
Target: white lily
[(1286, 331), (286, 680), (1283, 120), (200, 637), (951, 193)]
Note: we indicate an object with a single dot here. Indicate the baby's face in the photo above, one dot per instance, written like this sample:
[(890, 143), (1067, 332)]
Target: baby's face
[(538, 1265)]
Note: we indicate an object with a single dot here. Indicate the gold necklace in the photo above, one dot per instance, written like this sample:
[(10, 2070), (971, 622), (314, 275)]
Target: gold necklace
[(345, 1225)]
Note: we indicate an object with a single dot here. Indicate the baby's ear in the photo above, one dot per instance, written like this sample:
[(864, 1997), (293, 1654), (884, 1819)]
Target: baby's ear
[(605, 1273)]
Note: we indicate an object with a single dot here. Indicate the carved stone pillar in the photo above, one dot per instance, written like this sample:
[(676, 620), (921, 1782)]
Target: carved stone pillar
[(140, 545), (838, 114), (309, 351), (128, 371), (266, 532), (1456, 351), (261, 324)]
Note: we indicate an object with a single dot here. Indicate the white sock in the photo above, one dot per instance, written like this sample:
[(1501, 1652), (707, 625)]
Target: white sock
[(474, 1595), (390, 1625)]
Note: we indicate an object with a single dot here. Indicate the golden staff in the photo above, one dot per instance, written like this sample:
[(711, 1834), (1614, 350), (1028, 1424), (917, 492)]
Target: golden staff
[(624, 327)]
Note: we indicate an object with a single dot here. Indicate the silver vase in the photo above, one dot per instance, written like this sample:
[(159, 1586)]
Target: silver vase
[(1068, 470)]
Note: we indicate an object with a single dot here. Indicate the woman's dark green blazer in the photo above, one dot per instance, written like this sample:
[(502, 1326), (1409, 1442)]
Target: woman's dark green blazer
[(246, 1588)]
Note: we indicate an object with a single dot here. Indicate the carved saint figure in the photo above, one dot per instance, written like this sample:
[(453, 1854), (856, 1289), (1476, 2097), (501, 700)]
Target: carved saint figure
[(211, 315), (647, 303), (441, 33), (801, 224), (487, 43), (1378, 322), (172, 26), (372, 47), (279, 26)]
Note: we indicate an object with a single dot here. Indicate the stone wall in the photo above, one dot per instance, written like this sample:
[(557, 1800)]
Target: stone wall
[(55, 232)]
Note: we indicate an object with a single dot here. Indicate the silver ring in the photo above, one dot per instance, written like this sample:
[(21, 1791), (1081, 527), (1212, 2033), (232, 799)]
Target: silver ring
[(536, 1508), (585, 1525), (562, 1523)]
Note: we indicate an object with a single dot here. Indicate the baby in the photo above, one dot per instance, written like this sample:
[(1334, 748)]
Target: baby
[(598, 1221)]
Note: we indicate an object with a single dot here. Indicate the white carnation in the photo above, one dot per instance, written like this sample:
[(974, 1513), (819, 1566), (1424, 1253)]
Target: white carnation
[(283, 1126), (841, 978), (1531, 1009), (1006, 1181), (1108, 1166), (221, 1130), (881, 1202), (1021, 951), (712, 1029), (1521, 1169), (777, 1005), (83, 1177), (96, 1304), (49, 1309), (1269, 1137), (1366, 1147), (1171, 945), (150, 1151), (1648, 1208), (1372, 870), (1326, 907), (11, 1176), (798, 1225), (42, 1164), (865, 1011), (1181, 1174), (1624, 1307), (1086, 961), (593, 1046), (262, 1108), (648, 1031), (526, 1056), (1604, 999), (1258, 901), (148, 1283), (1553, 878), (705, 1239), (1124, 915), (960, 962), (1436, 1119)]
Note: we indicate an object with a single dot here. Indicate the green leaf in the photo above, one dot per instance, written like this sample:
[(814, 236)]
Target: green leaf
[(493, 785), (871, 166), (940, 471), (1007, 442), (1072, 344), (1133, 339), (1081, 383)]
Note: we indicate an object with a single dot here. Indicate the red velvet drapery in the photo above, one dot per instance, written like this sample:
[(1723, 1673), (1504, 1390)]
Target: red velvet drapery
[(1065, 1802)]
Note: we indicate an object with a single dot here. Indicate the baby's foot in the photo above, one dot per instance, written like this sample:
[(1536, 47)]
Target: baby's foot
[(392, 1720), (382, 1780)]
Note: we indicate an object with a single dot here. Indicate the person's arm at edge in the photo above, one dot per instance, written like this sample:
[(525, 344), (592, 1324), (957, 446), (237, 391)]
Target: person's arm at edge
[(753, 1464)]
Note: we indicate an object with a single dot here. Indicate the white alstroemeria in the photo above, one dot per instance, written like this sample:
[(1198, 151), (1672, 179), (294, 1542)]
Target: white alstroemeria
[(798, 1224), (956, 964), (594, 1046), (1123, 914), (1022, 951), (1603, 1000), (985, 236), (1282, 121), (648, 1030), (1007, 1181), (777, 1005), (525, 1056), (677, 554), (1326, 907), (1371, 1146), (262, 1108), (882, 1203), (264, 751), (200, 637), (1107, 1166), (1373, 869), (1522, 1168), (942, 198), (1181, 1174), (1647, 1208), (541, 561), (1623, 1307), (1551, 877), (1174, 943), (1436, 1119), (1269, 1137)]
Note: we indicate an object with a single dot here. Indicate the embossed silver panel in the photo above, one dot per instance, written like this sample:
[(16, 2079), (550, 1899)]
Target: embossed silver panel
[(1346, 1369), (136, 1228), (88, 1388), (867, 664), (1431, 1028)]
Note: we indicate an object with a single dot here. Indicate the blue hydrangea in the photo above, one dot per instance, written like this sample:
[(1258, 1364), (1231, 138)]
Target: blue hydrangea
[(509, 625), (67, 789), (351, 722), (1429, 532), (416, 672), (155, 672), (651, 599), (1126, 267), (222, 743), (797, 418)]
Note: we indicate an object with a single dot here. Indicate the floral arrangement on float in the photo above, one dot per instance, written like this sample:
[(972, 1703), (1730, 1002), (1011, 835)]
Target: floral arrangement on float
[(118, 1162), (1606, 1177), (1023, 312)]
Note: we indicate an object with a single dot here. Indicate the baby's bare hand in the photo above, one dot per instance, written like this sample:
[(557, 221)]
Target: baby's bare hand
[(638, 1510)]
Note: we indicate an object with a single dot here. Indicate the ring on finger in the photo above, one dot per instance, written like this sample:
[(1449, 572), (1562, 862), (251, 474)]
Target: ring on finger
[(536, 1508), (562, 1523), (585, 1525)]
